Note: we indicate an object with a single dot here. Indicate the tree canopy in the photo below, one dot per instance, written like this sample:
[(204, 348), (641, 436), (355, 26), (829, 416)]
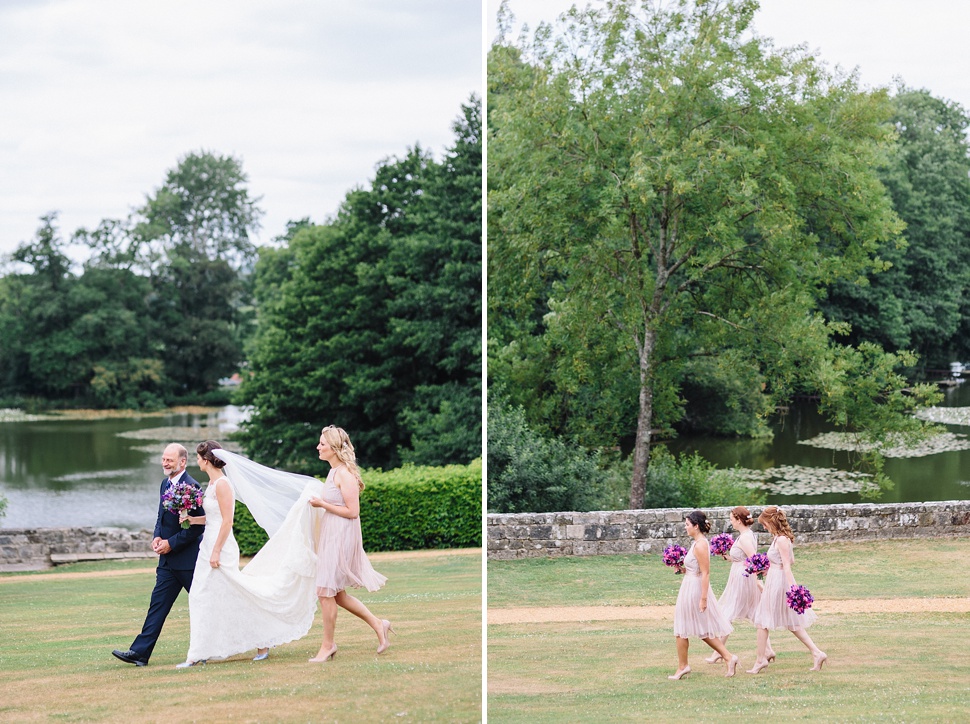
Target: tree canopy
[(372, 321), (668, 189)]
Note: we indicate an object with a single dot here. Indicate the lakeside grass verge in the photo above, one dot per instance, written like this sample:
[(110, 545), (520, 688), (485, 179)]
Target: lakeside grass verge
[(884, 665), (58, 633)]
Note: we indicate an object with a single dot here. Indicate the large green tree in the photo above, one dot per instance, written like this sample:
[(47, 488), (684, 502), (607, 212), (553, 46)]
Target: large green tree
[(195, 233), (921, 301), (67, 336), (372, 321), (667, 187)]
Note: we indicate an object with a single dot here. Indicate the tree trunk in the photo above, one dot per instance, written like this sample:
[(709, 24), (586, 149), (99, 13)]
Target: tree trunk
[(641, 452)]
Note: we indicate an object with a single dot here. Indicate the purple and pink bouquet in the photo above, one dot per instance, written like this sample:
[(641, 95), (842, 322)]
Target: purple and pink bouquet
[(181, 496), (674, 556), (721, 544), (757, 564), (799, 598)]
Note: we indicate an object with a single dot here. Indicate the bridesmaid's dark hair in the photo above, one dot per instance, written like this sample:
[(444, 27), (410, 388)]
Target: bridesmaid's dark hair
[(743, 515), (700, 520), (205, 451)]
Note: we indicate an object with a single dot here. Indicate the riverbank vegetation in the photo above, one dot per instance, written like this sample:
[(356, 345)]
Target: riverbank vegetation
[(370, 320), (689, 228)]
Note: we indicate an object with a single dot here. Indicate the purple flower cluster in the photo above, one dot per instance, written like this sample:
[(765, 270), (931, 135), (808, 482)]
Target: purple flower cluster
[(799, 598), (181, 496), (674, 556), (758, 563), (721, 544)]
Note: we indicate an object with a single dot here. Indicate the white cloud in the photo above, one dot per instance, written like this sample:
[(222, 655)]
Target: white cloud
[(101, 97)]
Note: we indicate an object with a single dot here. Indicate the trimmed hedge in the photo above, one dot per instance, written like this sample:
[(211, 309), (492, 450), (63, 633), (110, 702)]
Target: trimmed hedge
[(409, 508)]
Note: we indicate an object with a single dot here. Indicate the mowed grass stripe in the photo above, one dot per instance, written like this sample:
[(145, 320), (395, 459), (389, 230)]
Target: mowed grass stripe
[(56, 637)]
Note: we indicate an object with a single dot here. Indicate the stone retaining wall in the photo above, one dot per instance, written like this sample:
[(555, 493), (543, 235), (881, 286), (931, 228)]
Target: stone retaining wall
[(27, 549), (530, 535)]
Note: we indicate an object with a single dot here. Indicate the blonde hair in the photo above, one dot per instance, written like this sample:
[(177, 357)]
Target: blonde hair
[(339, 441), (774, 519)]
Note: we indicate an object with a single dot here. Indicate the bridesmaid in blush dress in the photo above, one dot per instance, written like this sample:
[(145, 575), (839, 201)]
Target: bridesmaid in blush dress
[(741, 594), (341, 561), (697, 613), (773, 611)]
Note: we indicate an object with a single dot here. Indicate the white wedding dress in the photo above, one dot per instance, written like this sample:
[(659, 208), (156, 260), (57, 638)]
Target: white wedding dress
[(273, 599)]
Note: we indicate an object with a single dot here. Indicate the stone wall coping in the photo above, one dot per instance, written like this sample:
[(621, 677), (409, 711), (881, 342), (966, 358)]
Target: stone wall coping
[(647, 531)]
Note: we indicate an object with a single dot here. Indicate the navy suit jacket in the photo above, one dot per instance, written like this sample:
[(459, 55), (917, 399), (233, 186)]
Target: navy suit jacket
[(184, 541)]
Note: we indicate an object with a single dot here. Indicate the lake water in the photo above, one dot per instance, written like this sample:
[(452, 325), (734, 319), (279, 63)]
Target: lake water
[(105, 471), (97, 471), (940, 476)]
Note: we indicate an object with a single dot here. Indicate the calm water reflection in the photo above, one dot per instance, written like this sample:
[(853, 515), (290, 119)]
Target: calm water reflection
[(102, 472), (944, 476)]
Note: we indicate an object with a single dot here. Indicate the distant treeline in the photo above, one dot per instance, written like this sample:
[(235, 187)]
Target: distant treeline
[(371, 320)]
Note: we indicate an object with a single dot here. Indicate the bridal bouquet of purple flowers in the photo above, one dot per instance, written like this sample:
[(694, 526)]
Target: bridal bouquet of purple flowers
[(181, 496), (757, 564), (721, 544), (674, 557), (799, 598)]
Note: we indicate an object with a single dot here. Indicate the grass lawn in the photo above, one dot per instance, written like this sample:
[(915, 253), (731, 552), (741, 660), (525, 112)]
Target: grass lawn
[(57, 633), (884, 665)]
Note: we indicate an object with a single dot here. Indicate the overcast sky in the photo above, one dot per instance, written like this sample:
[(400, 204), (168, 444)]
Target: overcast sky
[(99, 98), (923, 42)]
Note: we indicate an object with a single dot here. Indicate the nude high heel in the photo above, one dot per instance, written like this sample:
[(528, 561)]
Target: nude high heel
[(680, 674), (732, 667), (714, 658), (819, 660), (326, 657), (758, 667), (387, 639)]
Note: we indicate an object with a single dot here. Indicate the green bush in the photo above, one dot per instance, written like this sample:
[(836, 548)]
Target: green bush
[(3, 506), (529, 473), (415, 507), (409, 508), (692, 482)]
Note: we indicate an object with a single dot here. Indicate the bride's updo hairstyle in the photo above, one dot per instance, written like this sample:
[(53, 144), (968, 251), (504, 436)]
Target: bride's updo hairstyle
[(339, 441), (743, 515), (700, 520), (774, 519), (204, 450)]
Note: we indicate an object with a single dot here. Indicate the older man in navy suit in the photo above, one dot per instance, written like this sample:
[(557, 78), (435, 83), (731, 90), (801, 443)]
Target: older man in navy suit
[(177, 550)]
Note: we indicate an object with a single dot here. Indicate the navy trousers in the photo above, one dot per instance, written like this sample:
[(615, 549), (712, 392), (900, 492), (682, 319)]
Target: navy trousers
[(168, 585)]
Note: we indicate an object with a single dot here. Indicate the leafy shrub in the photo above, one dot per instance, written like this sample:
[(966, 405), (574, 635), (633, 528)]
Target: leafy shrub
[(532, 474), (3, 506), (693, 482), (410, 508), (416, 507)]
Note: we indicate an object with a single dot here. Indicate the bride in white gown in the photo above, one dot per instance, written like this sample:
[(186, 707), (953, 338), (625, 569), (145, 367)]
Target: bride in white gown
[(273, 599)]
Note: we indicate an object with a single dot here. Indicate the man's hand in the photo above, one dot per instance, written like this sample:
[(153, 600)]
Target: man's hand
[(161, 546)]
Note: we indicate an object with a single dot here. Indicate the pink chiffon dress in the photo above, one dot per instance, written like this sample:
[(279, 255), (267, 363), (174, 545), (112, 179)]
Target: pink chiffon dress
[(689, 620), (341, 561), (741, 594), (773, 611)]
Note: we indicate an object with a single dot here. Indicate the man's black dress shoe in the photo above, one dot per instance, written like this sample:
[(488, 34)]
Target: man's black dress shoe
[(129, 657)]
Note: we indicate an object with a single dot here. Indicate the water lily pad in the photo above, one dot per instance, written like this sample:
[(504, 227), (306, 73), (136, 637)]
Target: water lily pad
[(850, 441)]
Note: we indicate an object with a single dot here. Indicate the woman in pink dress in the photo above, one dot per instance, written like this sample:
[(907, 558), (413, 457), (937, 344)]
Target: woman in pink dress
[(696, 613), (741, 594), (773, 612), (341, 561)]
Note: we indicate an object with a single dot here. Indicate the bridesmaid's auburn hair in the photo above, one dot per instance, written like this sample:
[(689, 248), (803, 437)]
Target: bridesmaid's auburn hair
[(743, 515), (774, 519)]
